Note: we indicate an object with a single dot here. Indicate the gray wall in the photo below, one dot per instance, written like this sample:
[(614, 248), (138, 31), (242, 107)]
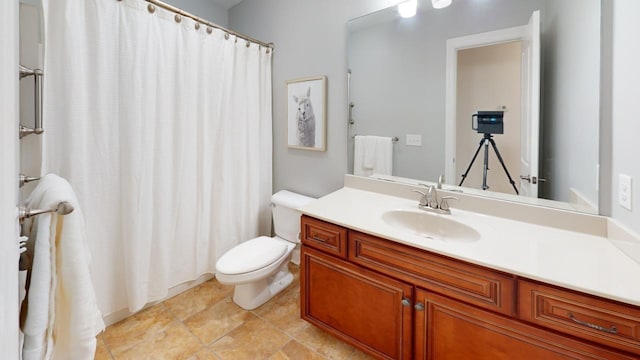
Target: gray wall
[(204, 9), (310, 39)]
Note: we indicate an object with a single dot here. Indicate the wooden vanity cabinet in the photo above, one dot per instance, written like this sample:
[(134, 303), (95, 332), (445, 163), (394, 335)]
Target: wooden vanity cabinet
[(601, 321), (476, 285), (362, 307), (449, 329), (398, 302), (324, 236)]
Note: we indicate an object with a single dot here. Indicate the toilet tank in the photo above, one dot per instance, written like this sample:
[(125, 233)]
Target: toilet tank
[(286, 219)]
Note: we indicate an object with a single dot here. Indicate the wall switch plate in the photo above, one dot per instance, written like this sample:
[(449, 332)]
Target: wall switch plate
[(414, 140), (624, 191)]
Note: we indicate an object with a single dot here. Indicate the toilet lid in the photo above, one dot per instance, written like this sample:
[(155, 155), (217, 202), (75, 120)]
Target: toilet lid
[(251, 255)]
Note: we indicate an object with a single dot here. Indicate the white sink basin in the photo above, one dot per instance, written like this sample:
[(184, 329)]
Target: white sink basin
[(430, 226)]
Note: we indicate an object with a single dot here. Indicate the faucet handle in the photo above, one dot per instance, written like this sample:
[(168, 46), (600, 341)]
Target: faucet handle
[(423, 198), (444, 204)]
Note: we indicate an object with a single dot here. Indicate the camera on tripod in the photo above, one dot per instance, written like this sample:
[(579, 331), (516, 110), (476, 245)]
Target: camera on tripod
[(488, 122)]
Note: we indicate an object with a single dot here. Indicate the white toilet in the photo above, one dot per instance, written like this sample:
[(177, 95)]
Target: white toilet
[(259, 267)]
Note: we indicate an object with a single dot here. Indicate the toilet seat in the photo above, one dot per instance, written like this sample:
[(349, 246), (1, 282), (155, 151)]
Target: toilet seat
[(251, 255)]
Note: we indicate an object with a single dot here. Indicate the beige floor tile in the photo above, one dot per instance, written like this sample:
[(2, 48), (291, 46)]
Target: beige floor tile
[(197, 299), (293, 350), (284, 311), (204, 354), (137, 328), (255, 339), (204, 324), (101, 350), (174, 342), (217, 320), (324, 344), (359, 355)]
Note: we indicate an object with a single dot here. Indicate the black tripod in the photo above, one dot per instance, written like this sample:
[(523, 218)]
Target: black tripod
[(486, 139)]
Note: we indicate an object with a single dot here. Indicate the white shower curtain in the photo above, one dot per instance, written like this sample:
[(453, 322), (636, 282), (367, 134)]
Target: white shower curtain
[(164, 131)]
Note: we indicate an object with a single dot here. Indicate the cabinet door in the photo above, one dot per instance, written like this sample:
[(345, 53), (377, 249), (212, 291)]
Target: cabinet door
[(448, 329), (366, 309)]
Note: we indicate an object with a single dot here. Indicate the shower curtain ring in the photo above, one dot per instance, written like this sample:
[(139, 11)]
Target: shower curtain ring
[(151, 8)]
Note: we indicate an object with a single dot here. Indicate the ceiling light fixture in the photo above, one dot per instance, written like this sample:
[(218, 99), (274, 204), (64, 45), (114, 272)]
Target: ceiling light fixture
[(440, 4), (408, 9)]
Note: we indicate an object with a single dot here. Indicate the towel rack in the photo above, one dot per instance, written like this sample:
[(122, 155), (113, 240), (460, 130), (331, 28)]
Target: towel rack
[(63, 208), (27, 179), (395, 139), (37, 75)]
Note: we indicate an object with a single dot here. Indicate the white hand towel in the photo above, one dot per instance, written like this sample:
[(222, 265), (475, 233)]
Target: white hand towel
[(63, 317), (369, 152), (372, 155), (358, 157), (384, 156)]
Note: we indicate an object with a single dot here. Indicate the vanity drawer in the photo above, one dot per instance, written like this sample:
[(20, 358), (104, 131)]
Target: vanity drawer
[(323, 236), (606, 322), (469, 283)]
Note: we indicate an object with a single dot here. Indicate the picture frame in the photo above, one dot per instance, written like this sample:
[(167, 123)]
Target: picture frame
[(307, 113)]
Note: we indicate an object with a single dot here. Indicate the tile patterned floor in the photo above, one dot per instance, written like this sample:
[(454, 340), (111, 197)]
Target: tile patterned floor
[(204, 323)]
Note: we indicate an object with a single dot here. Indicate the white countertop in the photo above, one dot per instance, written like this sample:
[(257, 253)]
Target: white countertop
[(575, 260)]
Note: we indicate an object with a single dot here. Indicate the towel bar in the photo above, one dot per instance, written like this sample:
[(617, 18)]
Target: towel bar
[(37, 75), (63, 208), (394, 139), (26, 179)]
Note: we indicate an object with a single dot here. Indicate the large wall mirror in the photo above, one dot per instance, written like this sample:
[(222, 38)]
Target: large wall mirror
[(536, 62)]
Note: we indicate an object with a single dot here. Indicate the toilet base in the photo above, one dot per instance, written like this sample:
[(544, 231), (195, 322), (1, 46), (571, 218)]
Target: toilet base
[(251, 295)]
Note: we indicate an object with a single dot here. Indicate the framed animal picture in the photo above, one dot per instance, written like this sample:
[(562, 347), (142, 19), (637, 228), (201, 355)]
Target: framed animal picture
[(307, 113)]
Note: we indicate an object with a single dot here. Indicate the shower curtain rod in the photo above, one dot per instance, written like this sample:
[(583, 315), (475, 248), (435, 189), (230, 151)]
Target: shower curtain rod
[(205, 22)]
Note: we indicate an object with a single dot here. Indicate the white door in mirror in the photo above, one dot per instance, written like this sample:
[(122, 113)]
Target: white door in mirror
[(530, 118)]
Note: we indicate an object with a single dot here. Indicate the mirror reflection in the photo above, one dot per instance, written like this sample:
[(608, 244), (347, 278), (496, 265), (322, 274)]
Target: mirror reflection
[(514, 83)]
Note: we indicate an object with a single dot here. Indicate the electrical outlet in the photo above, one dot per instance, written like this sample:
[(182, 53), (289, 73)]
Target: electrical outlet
[(624, 191), (414, 140)]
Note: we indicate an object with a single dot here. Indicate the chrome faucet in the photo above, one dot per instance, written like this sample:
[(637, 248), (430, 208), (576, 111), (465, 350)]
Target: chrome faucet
[(429, 201), (440, 181), (432, 197)]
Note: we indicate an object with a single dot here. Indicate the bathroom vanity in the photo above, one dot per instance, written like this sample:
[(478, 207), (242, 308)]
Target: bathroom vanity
[(521, 282)]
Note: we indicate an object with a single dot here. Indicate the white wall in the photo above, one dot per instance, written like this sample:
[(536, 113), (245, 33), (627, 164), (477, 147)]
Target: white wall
[(204, 9), (8, 179), (626, 107), (571, 82), (310, 39)]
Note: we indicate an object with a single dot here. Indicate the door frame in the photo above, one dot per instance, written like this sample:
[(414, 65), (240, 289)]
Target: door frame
[(516, 33)]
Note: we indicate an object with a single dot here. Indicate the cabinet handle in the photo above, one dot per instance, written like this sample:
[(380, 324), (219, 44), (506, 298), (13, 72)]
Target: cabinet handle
[(612, 330), (317, 238), (406, 302), (419, 306)]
